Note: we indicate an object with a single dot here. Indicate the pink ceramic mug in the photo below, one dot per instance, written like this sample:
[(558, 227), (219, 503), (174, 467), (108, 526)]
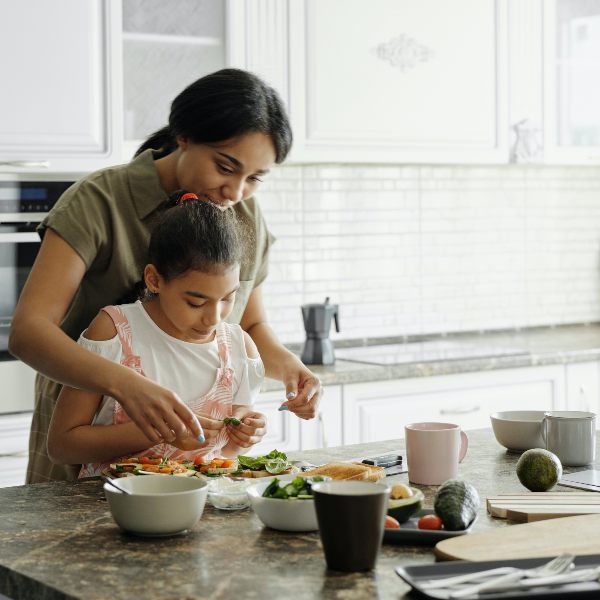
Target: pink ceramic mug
[(433, 451)]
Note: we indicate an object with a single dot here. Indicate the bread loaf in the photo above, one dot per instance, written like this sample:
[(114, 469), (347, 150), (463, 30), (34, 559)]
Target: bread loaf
[(350, 471)]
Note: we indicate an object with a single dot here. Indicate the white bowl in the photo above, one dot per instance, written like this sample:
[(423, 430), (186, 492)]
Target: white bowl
[(519, 429), (227, 494), (285, 515), (158, 505)]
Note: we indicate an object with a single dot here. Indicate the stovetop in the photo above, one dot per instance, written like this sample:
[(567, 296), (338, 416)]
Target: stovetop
[(425, 351)]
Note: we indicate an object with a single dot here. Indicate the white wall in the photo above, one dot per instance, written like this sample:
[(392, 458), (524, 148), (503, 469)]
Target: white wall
[(427, 249)]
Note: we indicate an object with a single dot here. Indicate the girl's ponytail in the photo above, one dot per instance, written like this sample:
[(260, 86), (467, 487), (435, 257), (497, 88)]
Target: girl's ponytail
[(161, 140)]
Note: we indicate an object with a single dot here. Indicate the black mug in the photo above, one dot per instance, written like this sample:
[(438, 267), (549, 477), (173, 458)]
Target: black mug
[(351, 517)]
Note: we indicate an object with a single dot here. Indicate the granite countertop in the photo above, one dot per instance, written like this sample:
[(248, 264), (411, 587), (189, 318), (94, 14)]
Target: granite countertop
[(536, 347), (58, 541)]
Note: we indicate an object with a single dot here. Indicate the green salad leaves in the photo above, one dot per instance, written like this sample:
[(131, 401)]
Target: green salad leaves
[(298, 489), (275, 462)]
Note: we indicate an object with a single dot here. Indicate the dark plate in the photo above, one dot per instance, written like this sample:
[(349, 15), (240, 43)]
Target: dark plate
[(410, 534), (416, 575)]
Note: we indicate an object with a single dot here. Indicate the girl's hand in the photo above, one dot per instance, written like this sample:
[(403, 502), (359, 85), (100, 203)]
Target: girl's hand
[(157, 411), (303, 389), (250, 431)]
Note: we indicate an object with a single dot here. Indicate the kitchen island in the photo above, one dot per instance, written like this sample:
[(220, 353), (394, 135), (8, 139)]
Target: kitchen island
[(58, 541)]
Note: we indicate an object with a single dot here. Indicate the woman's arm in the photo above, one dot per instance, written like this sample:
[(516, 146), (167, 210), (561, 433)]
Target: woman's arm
[(72, 439), (303, 388), (36, 339)]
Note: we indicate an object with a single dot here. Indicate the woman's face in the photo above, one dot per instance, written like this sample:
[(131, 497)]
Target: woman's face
[(224, 172), (190, 307)]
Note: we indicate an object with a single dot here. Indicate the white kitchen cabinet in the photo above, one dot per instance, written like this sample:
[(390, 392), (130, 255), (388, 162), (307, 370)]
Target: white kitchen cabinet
[(391, 84), (283, 427), (286, 432), (325, 430), (14, 444), (571, 46), (380, 410), (61, 78), (166, 46)]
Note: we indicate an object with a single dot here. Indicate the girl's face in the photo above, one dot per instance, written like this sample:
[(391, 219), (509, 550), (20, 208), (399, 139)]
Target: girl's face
[(190, 307), (225, 172)]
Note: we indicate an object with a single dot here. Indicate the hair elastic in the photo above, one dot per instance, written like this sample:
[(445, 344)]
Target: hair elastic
[(187, 196)]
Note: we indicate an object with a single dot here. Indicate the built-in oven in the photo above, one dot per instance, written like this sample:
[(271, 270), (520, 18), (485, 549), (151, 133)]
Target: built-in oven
[(23, 205)]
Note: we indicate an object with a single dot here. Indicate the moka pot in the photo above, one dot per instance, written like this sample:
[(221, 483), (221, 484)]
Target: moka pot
[(318, 348)]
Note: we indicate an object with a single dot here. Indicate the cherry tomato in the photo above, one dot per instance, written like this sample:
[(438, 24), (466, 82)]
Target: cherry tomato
[(430, 522), (391, 523)]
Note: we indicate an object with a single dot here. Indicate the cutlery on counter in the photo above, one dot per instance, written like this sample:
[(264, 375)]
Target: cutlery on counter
[(556, 566), (113, 484), (499, 577)]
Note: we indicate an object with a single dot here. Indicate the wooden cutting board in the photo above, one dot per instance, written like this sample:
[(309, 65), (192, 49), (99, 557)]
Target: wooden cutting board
[(577, 535), (530, 507)]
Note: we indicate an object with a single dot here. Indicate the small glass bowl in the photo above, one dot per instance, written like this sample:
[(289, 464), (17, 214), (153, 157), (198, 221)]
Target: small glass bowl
[(226, 494)]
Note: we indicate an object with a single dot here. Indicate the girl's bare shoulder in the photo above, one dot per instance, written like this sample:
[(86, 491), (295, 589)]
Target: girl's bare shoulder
[(101, 328)]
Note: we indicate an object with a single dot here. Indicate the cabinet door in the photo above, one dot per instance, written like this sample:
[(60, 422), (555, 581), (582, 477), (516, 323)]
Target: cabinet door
[(59, 77), (166, 47), (380, 410), (325, 430), (14, 442), (391, 83), (283, 427), (571, 81)]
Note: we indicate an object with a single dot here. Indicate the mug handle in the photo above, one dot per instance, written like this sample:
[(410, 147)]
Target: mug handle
[(544, 428), (464, 444)]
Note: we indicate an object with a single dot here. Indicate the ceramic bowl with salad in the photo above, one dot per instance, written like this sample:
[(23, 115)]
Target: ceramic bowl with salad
[(285, 503)]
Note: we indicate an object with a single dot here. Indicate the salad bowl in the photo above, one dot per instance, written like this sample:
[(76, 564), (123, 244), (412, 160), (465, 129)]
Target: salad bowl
[(156, 505), (283, 513)]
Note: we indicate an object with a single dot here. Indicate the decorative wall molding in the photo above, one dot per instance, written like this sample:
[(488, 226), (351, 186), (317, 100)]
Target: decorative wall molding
[(404, 52)]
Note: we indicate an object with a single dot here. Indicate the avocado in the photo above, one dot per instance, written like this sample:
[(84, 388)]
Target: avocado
[(402, 509), (539, 470), (456, 503)]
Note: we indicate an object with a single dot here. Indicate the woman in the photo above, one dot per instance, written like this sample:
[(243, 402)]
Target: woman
[(225, 132)]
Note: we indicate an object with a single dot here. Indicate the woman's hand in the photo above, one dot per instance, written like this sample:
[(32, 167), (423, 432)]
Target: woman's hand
[(157, 411), (211, 428), (250, 431), (303, 389)]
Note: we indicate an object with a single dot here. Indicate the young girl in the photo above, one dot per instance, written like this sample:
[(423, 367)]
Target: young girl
[(178, 337)]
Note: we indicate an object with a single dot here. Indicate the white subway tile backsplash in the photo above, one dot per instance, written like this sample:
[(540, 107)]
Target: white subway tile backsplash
[(408, 250)]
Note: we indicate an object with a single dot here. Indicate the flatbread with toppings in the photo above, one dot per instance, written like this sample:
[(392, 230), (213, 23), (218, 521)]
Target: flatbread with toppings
[(151, 465)]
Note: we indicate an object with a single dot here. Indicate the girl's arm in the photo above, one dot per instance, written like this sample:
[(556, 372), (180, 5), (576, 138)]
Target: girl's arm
[(36, 338), (72, 439), (303, 388)]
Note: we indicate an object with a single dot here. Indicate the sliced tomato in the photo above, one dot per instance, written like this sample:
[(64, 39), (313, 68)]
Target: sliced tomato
[(391, 523), (217, 462), (430, 522), (198, 460), (226, 464), (150, 468)]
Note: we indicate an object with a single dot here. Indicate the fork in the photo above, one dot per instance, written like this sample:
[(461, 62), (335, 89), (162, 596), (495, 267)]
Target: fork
[(558, 565)]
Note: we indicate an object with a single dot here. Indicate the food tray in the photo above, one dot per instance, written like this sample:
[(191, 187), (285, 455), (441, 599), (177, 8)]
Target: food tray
[(410, 534), (415, 576)]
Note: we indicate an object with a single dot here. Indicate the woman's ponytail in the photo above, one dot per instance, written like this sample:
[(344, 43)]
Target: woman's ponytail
[(161, 140)]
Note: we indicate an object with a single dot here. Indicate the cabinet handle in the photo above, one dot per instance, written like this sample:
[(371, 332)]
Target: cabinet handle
[(459, 411), (322, 428), (26, 164)]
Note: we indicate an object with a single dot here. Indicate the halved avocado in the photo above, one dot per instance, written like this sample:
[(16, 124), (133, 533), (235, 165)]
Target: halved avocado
[(403, 509)]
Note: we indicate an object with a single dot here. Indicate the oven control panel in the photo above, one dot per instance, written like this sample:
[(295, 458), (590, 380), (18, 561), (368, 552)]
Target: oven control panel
[(26, 197)]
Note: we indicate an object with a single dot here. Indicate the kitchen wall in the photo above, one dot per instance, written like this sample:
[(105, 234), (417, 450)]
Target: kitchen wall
[(433, 249)]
